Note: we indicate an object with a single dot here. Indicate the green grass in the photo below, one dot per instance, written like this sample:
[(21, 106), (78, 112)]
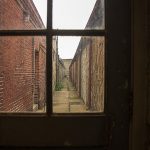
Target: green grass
[(58, 86)]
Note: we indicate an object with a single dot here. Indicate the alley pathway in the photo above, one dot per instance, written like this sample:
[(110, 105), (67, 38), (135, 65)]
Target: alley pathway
[(66, 100)]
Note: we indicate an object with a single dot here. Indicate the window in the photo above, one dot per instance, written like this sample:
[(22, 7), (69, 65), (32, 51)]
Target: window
[(69, 130), (78, 81), (25, 90)]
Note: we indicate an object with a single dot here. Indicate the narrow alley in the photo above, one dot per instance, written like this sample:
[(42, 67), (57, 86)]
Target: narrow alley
[(67, 100)]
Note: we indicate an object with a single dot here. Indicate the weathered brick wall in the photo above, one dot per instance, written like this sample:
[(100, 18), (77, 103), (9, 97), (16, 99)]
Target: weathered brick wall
[(78, 74), (58, 72), (11, 15), (54, 58), (42, 76), (97, 19), (97, 74), (91, 84), (36, 76), (17, 71), (61, 70), (85, 75), (39, 72), (71, 72)]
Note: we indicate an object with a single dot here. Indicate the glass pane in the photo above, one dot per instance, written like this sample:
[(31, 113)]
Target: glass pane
[(23, 14), (22, 74), (78, 74), (78, 14)]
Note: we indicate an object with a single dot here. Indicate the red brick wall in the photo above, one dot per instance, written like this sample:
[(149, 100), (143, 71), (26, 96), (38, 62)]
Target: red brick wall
[(17, 59), (42, 76), (16, 68), (11, 15)]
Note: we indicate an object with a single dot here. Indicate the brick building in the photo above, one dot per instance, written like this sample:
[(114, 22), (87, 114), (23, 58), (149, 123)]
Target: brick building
[(87, 66), (22, 59), (55, 61), (59, 68)]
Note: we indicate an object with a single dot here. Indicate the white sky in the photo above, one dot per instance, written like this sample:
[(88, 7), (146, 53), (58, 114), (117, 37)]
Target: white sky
[(67, 14)]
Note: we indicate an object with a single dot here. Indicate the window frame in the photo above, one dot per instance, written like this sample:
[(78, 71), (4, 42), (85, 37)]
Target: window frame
[(49, 32), (115, 121)]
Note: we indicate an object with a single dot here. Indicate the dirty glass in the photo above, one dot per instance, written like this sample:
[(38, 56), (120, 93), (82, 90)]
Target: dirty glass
[(22, 74), (78, 14), (23, 14), (78, 74)]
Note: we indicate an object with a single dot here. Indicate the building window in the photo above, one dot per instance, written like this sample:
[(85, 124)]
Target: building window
[(77, 63), (95, 80)]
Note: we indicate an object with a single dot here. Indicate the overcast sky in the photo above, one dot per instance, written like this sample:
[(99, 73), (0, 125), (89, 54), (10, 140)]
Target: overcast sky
[(67, 14)]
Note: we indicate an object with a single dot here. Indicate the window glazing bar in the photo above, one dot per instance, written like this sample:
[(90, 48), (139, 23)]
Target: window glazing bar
[(79, 32), (23, 32), (49, 59)]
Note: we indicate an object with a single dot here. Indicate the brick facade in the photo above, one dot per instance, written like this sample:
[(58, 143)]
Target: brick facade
[(87, 66), (85, 74), (57, 64), (61, 70), (22, 68), (54, 57)]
